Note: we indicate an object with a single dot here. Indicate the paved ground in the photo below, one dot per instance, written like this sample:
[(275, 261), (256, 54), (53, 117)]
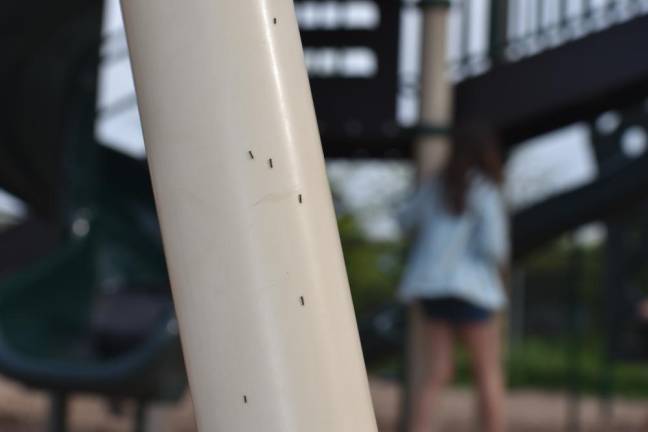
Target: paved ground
[(528, 411), (22, 410)]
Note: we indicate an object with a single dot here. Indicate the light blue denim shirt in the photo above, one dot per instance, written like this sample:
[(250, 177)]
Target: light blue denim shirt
[(456, 255)]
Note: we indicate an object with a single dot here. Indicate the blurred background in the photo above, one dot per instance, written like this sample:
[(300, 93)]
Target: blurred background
[(88, 338)]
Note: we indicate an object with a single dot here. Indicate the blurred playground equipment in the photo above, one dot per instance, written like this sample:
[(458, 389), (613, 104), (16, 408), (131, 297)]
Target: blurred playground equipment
[(84, 295), (79, 269)]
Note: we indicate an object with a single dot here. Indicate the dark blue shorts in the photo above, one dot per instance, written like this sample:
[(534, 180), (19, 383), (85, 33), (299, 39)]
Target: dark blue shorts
[(454, 310)]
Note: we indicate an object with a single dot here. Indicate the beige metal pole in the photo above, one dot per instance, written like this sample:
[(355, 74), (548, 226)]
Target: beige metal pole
[(436, 88), (254, 256), (431, 151)]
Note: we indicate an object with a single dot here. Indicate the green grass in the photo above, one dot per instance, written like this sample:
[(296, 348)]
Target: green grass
[(555, 365), (548, 365), (545, 365)]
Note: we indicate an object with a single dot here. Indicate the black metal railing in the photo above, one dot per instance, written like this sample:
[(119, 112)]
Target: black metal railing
[(484, 33)]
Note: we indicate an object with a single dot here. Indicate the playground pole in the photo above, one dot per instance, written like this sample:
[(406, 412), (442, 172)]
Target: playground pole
[(430, 152), (436, 89), (258, 278)]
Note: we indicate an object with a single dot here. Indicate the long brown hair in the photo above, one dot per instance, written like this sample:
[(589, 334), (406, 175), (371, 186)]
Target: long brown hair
[(474, 148)]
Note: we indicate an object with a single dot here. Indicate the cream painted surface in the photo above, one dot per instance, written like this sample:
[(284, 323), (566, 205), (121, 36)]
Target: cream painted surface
[(217, 79), (436, 90), (431, 154)]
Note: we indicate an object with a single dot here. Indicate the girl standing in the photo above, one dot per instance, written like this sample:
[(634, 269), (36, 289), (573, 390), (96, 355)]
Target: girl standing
[(454, 275)]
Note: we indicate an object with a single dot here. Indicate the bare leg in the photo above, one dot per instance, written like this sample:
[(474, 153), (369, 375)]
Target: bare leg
[(436, 373), (416, 360), (483, 342)]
